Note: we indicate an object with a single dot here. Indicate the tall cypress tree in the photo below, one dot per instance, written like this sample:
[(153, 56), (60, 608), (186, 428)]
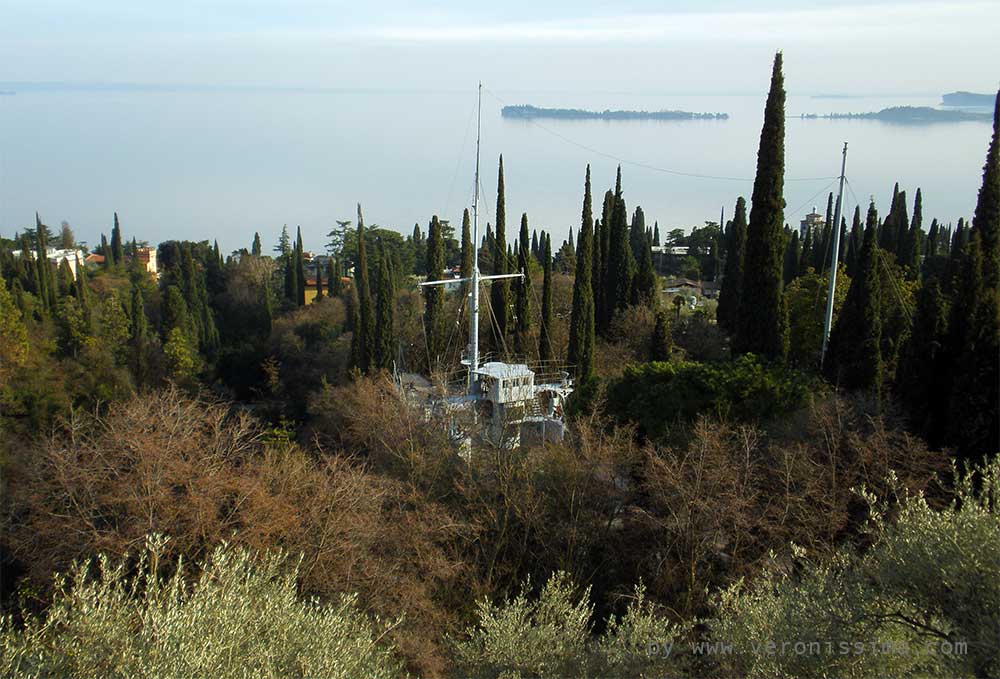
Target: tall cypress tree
[(581, 329), (319, 283), (933, 236), (821, 254), (621, 264), (545, 352), (365, 331), (793, 251), (805, 257), (732, 280), (986, 219), (138, 338), (597, 273), (300, 270), (761, 320), (500, 289), (910, 255), (854, 244), (605, 302), (467, 253), (332, 277), (434, 294), (925, 376), (117, 253), (291, 280), (644, 283), (46, 283), (255, 249), (522, 291), (656, 234), (854, 357), (385, 317), (637, 234)]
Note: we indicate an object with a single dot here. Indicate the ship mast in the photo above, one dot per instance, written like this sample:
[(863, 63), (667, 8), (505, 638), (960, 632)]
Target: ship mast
[(474, 297), (475, 278)]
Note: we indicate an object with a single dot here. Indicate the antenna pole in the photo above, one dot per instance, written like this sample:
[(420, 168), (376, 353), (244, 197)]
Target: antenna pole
[(474, 297), (834, 257)]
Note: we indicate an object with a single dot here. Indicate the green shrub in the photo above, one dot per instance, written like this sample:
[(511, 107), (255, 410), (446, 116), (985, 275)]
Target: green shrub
[(551, 636), (926, 593), (242, 618), (657, 395)]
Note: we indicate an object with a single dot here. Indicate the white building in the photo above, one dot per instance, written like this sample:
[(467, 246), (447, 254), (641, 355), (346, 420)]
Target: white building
[(57, 256)]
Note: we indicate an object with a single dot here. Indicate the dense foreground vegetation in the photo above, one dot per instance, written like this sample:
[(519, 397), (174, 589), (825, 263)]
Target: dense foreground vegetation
[(227, 478)]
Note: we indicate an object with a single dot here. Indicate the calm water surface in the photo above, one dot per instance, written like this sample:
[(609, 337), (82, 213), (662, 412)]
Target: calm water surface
[(223, 164)]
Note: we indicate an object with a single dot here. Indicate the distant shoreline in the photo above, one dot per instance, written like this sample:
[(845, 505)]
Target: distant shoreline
[(914, 115), (967, 99), (526, 112)]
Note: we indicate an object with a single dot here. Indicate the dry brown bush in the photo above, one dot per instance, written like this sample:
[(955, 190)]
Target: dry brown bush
[(202, 473), (719, 505)]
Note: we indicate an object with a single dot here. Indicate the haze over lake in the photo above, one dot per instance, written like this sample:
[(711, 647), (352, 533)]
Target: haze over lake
[(223, 163)]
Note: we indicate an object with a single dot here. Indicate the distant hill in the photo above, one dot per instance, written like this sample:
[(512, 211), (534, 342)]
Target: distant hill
[(914, 115), (528, 112), (967, 99)]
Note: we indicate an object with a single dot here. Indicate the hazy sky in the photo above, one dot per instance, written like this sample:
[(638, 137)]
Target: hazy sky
[(680, 46)]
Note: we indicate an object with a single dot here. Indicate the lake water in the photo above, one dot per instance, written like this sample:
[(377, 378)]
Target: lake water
[(222, 164)]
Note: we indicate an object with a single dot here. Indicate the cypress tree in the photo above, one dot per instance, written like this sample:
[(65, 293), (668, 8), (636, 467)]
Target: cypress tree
[(534, 246), (300, 271), (854, 357), (656, 234), (319, 284), (545, 352), (66, 282), (644, 284), (933, 235), (117, 254), (174, 314), (604, 283), (522, 291), (570, 240), (467, 253), (805, 258), (139, 329), (986, 219), (500, 289), (854, 244), (661, 341), (596, 273), (385, 317), (821, 254), (105, 252), (732, 279), (45, 291), (81, 290), (925, 377), (434, 294), (332, 277), (761, 320), (908, 253), (637, 234), (581, 329), (621, 264), (365, 331), (974, 333), (793, 251), (888, 233), (291, 280), (255, 249)]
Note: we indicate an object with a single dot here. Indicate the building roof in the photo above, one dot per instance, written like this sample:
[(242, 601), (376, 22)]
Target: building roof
[(499, 370)]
